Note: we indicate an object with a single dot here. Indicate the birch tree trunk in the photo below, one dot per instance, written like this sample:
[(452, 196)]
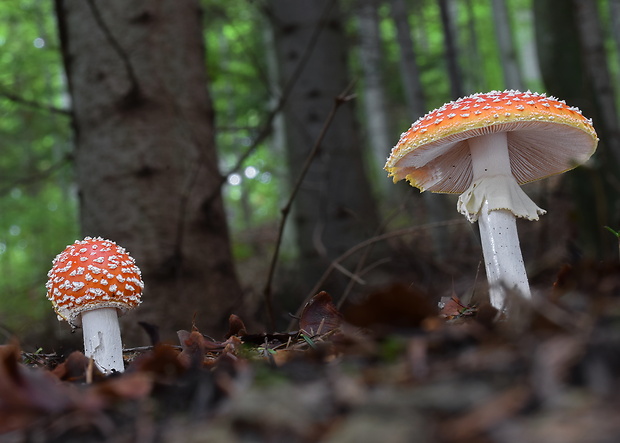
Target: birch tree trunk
[(145, 158), (334, 209), (507, 50)]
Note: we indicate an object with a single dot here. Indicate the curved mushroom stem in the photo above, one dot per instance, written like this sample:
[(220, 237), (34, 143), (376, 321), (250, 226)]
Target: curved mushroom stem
[(102, 339), (494, 199)]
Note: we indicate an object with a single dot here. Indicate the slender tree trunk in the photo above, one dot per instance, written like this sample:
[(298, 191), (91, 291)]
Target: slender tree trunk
[(524, 18), (145, 155), (451, 51), (334, 209), (474, 75), (507, 50), (371, 58), (410, 73)]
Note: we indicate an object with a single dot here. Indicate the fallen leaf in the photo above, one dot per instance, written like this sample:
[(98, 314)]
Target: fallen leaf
[(27, 393), (235, 326), (319, 315), (74, 368), (131, 386), (454, 308), (194, 346)]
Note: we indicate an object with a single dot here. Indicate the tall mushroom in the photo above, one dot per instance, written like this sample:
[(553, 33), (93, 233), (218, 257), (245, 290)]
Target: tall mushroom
[(484, 146), (91, 283)]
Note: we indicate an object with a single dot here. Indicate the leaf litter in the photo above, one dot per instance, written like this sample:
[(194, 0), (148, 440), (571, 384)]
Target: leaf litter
[(391, 368)]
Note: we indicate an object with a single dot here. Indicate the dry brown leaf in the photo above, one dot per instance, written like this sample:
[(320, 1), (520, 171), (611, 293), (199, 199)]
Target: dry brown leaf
[(319, 315)]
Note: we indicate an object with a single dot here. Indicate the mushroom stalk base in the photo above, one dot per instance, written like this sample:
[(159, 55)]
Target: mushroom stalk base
[(102, 339), (502, 256)]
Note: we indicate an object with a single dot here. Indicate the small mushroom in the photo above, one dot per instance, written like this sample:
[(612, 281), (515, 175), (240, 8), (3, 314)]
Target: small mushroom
[(484, 147), (91, 283)]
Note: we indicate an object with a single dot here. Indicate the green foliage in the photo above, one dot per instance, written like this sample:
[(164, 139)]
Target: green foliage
[(37, 204), (242, 95)]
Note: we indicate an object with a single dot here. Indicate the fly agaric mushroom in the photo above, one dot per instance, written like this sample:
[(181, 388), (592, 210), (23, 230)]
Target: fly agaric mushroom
[(91, 283), (484, 146)]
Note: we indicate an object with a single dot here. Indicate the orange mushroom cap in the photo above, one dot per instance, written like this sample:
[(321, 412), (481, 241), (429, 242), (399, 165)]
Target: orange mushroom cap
[(545, 137), (91, 274)]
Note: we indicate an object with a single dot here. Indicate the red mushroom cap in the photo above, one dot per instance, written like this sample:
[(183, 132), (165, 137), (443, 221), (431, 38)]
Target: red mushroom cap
[(91, 274), (545, 137)]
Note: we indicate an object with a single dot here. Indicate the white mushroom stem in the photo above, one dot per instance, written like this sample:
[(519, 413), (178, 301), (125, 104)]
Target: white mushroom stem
[(102, 339), (494, 199), (502, 255)]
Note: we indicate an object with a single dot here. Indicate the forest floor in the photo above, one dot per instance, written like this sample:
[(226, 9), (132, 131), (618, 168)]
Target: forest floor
[(392, 369)]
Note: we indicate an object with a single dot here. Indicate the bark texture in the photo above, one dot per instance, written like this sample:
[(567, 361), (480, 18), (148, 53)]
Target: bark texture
[(334, 209), (371, 60), (145, 156)]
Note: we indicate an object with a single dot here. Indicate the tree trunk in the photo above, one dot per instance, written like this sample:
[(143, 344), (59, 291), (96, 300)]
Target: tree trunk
[(595, 59), (145, 156), (334, 209), (475, 76), (614, 21), (507, 50), (524, 34), (451, 52), (566, 76), (371, 58), (410, 73)]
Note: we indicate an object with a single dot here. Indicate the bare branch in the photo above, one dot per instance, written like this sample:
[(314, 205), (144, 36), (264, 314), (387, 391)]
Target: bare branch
[(33, 104), (267, 292), (38, 175)]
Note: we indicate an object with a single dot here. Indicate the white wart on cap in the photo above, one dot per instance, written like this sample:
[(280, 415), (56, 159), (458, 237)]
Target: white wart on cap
[(545, 137), (90, 274)]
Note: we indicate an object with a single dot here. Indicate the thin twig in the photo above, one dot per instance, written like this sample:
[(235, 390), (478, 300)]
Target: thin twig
[(359, 274), (363, 245), (34, 104), (354, 276), (267, 292), (362, 261)]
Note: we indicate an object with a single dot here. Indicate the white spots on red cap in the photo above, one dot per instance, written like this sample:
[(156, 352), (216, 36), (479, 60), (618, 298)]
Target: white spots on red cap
[(434, 139), (80, 279)]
